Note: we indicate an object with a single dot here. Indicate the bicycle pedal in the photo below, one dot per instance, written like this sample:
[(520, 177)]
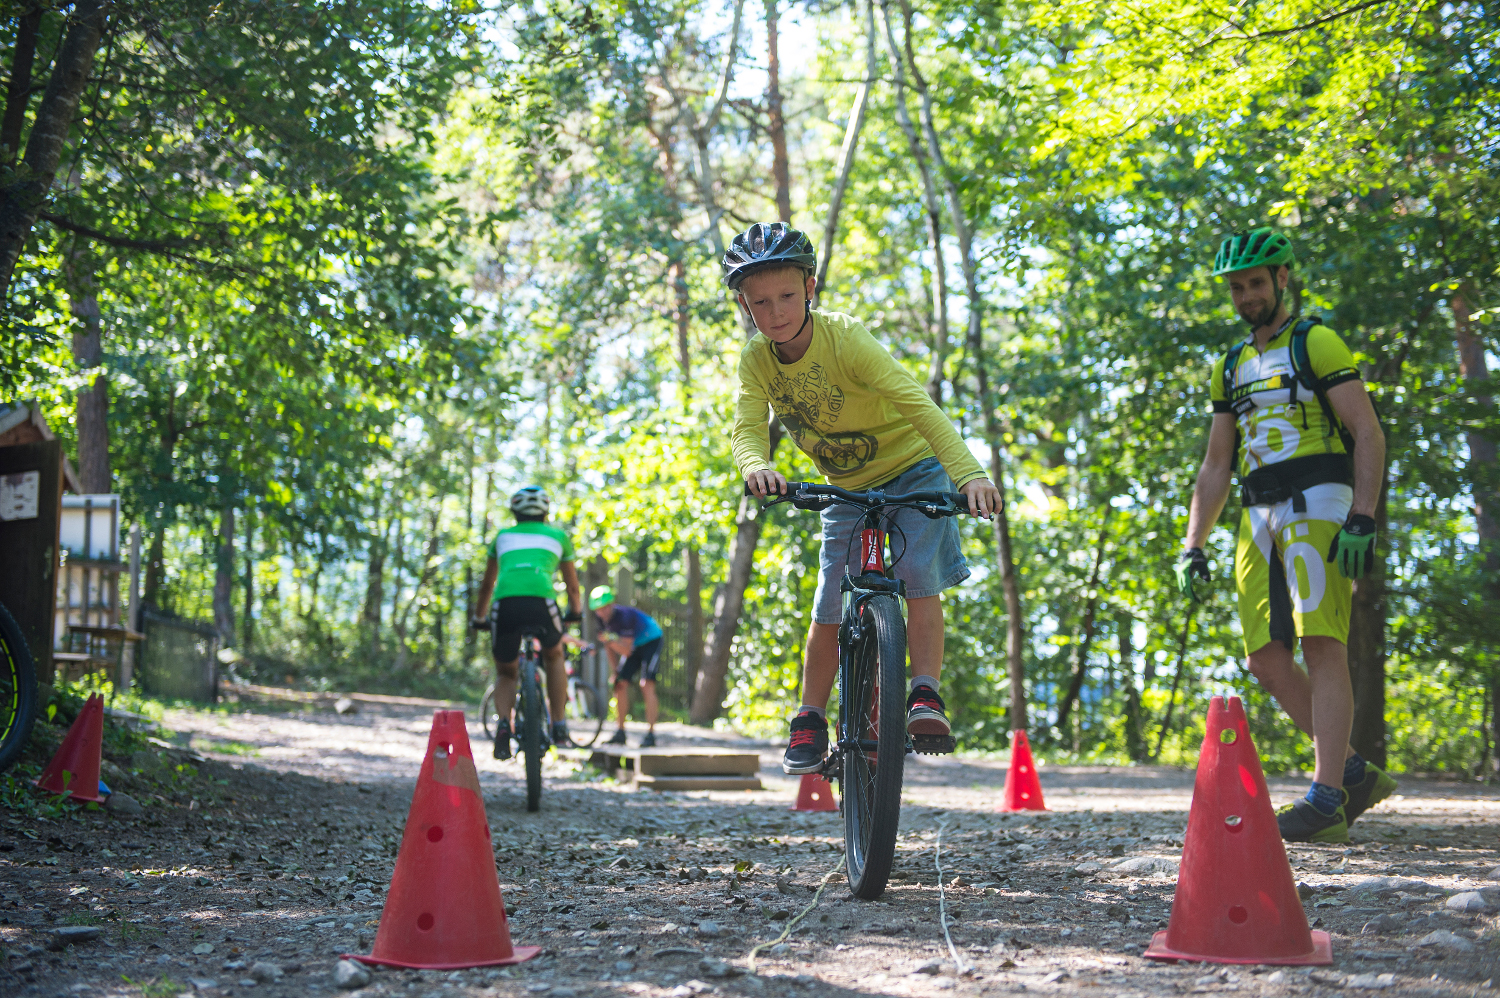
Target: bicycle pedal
[(933, 744)]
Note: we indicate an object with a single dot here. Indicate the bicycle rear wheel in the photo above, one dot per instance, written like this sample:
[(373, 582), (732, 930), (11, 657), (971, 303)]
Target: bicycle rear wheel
[(18, 695), (488, 715), (875, 712), (585, 713), (534, 713)]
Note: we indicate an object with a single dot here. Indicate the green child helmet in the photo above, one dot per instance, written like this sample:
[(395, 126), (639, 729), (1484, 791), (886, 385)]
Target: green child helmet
[(600, 596), (1263, 247)]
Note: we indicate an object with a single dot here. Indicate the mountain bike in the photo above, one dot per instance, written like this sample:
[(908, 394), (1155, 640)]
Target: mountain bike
[(18, 692), (532, 715), (584, 710), (869, 753)]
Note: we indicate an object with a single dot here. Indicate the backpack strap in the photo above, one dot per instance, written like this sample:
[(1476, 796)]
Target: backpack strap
[(1302, 374), (1231, 363)]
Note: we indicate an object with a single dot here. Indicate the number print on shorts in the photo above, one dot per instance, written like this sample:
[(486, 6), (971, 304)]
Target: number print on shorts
[(1312, 573), (1263, 449)]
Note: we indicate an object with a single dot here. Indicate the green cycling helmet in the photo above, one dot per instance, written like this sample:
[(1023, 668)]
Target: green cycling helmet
[(600, 596), (1263, 247)]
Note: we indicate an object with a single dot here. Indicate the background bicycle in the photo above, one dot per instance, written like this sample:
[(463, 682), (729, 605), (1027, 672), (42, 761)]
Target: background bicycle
[(585, 711)]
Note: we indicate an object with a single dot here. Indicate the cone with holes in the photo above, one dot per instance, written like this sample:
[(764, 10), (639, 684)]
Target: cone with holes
[(1023, 788), (444, 910), (815, 794), (1236, 901), (74, 769)]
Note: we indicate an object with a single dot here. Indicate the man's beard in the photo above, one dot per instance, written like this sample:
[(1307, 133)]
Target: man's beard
[(1263, 317)]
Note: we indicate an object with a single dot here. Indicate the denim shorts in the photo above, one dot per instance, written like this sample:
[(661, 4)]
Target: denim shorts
[(926, 553)]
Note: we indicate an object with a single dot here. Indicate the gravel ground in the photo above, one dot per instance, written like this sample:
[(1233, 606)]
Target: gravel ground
[(268, 852)]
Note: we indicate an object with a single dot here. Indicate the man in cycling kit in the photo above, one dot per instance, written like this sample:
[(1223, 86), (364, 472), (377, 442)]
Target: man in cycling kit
[(635, 650), (522, 560), (1288, 414), (866, 423)]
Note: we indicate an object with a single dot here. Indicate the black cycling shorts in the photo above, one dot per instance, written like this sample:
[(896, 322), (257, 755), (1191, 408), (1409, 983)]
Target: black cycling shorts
[(513, 613), (644, 659)]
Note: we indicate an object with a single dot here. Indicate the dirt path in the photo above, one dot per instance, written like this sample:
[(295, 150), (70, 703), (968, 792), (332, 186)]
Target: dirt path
[(279, 848)]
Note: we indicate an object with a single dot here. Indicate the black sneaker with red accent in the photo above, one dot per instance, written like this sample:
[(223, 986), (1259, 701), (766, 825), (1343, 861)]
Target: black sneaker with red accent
[(808, 745), (927, 722)]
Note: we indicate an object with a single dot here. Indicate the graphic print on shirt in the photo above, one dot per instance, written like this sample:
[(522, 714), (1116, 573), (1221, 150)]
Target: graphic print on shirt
[(809, 399)]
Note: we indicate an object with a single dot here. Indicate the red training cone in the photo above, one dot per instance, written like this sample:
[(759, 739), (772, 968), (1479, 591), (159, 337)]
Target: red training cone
[(444, 909), (815, 794), (1236, 901), (74, 769), (1023, 788)]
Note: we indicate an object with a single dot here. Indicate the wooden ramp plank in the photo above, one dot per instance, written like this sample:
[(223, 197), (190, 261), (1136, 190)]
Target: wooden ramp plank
[(647, 782)]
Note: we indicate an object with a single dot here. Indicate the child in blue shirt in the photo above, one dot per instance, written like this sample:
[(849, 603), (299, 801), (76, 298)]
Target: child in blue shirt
[(635, 650)]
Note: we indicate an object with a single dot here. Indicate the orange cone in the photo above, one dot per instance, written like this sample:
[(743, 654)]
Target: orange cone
[(815, 794), (74, 769), (1236, 901), (1023, 788), (444, 909)]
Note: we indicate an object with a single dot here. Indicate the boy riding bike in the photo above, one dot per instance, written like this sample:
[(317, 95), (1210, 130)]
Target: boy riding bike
[(866, 423), (1292, 419), (522, 560), (635, 650)]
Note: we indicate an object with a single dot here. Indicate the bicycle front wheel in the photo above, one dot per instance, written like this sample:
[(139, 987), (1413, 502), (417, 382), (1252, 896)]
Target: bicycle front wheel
[(488, 715), (18, 694), (875, 713), (534, 713), (585, 713)]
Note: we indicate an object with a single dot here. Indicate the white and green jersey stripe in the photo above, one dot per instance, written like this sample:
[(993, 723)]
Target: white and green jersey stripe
[(528, 555)]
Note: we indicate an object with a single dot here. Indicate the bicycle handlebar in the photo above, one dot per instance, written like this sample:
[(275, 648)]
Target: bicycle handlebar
[(811, 495)]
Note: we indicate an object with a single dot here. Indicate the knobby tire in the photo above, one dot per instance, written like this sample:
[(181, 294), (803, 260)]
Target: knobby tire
[(533, 711), (585, 713), (876, 708), (18, 694)]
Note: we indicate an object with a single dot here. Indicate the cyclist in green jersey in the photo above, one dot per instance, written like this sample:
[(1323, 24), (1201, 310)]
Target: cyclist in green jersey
[(1291, 417), (518, 574)]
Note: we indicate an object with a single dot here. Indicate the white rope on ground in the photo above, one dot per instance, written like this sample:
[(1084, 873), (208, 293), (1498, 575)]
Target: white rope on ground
[(937, 861), (827, 879)]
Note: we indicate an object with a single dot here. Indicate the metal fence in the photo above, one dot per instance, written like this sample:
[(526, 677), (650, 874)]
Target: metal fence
[(179, 658), (673, 682)]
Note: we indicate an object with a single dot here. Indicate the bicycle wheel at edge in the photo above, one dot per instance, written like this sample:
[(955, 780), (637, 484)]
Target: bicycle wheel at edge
[(488, 716), (533, 712), (872, 781), (585, 713), (18, 694)]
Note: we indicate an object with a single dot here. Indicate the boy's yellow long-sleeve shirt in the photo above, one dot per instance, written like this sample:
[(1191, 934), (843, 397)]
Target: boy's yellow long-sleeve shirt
[(858, 414)]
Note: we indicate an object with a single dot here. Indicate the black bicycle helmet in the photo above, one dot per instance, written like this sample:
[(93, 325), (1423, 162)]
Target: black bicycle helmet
[(765, 245)]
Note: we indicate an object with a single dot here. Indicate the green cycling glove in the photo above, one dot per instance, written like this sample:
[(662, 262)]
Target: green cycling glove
[(1353, 550), (1194, 563)]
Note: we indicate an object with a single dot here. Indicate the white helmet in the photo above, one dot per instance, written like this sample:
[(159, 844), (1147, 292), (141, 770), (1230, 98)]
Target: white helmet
[(530, 501)]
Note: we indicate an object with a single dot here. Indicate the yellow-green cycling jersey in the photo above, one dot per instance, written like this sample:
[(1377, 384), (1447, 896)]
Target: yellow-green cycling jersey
[(1279, 419)]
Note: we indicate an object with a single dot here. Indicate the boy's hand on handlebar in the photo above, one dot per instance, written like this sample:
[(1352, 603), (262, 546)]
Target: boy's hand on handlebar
[(984, 498), (765, 482)]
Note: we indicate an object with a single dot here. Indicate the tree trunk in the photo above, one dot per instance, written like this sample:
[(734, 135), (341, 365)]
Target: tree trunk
[(156, 563), (933, 208), (224, 577), (21, 200), (703, 129), (846, 153), (682, 314), (1135, 742), (88, 352), (776, 123), (1081, 658), (18, 93), (694, 649), (1482, 472), (248, 607), (708, 694), (1005, 556)]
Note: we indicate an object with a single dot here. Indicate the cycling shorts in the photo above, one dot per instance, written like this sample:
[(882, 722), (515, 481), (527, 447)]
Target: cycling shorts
[(644, 659), (513, 613), (1287, 587)]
